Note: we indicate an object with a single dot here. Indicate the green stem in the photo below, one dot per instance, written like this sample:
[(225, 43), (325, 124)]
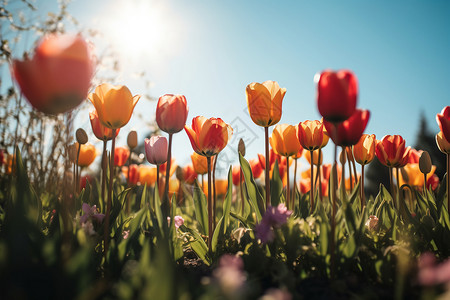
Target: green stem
[(267, 169), (110, 193), (104, 170), (311, 190), (361, 188), (210, 223), (214, 191), (288, 192), (166, 199)]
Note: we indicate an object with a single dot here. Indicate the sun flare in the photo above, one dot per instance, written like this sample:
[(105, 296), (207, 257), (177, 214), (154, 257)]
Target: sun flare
[(136, 28)]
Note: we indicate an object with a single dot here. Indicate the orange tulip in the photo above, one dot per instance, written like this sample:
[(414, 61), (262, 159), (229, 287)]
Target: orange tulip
[(58, 77), (121, 155), (364, 150), (208, 136), (391, 151), (221, 187), (174, 186), (173, 167), (284, 140), (442, 143), (171, 113), (200, 163), (103, 133), (114, 104), (264, 102), (414, 177), (87, 154), (147, 175), (310, 134)]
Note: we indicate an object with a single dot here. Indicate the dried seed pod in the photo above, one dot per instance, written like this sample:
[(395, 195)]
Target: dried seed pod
[(425, 162), (81, 136), (179, 173), (132, 139), (343, 157)]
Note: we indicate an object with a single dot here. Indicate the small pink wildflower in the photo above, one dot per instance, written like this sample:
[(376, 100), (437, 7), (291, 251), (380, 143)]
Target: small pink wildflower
[(178, 221), (273, 218), (91, 213)]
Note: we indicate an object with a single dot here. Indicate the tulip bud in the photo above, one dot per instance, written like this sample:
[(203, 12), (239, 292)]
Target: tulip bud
[(372, 223), (132, 139), (81, 136), (241, 147), (343, 157), (179, 173), (425, 163)]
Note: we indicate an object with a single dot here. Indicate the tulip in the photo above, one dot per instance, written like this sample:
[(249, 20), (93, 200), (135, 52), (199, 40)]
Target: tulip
[(114, 104), (208, 137), (121, 156), (58, 77), (337, 94), (364, 153), (237, 175), (442, 143), (310, 134), (171, 113), (173, 167), (443, 120), (87, 155), (364, 150), (412, 175), (189, 174), (156, 150), (102, 132), (200, 163), (264, 102), (315, 157), (131, 173), (284, 140), (348, 132), (147, 175), (256, 167), (414, 156), (391, 151), (433, 182)]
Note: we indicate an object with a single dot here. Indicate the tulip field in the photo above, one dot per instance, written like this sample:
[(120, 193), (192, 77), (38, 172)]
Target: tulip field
[(158, 230)]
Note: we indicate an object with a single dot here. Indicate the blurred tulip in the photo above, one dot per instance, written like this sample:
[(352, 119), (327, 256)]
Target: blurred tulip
[(87, 155), (134, 174), (114, 104), (414, 177), (256, 167), (189, 174), (443, 120), (173, 167), (315, 157), (284, 140), (156, 149), (121, 155), (208, 136), (237, 175), (442, 143), (433, 182), (364, 150), (9, 161), (147, 175), (58, 77), (310, 134), (2, 157), (337, 94), (171, 113), (391, 151), (414, 156), (264, 101), (348, 132), (326, 136), (221, 187), (102, 132), (84, 180), (200, 163)]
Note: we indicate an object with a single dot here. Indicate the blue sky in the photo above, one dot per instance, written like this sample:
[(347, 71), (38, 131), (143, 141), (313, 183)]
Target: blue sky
[(210, 50)]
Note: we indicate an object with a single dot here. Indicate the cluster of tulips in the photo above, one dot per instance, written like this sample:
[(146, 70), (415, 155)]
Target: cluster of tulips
[(58, 78)]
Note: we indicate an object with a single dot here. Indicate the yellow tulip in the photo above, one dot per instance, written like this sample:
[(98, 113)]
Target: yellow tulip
[(114, 104), (87, 154), (442, 143), (284, 140), (200, 163), (264, 101), (310, 134), (315, 157), (364, 150), (147, 175), (414, 177)]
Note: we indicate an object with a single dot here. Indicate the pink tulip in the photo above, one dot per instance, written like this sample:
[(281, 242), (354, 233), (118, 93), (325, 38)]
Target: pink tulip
[(171, 113), (156, 150)]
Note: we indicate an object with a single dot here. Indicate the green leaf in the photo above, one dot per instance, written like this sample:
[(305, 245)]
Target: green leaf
[(198, 245), (158, 211), (201, 208), (256, 200), (276, 186)]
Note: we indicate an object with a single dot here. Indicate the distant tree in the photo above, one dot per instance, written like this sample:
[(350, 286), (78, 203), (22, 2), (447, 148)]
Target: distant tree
[(376, 173)]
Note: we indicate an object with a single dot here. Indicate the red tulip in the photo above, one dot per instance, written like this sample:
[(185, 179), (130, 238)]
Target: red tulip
[(208, 136), (58, 77), (414, 156), (348, 132), (237, 175), (443, 119), (102, 132), (156, 150), (257, 168), (433, 182), (171, 113), (189, 174), (121, 156), (391, 151), (337, 95)]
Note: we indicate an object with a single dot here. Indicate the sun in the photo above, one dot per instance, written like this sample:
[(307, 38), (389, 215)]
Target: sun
[(135, 28)]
